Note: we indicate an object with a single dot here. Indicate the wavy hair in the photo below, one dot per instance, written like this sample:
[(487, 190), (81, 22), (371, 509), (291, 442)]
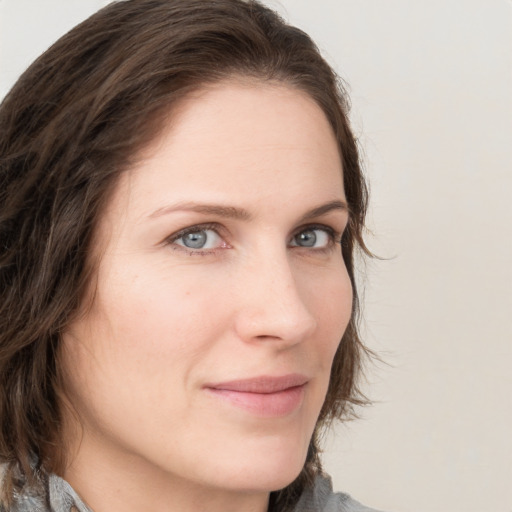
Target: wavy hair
[(71, 124)]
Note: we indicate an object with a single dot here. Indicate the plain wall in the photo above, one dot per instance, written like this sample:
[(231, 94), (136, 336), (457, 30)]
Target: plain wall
[(431, 86)]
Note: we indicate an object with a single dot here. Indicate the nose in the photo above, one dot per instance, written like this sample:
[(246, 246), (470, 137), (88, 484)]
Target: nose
[(271, 306)]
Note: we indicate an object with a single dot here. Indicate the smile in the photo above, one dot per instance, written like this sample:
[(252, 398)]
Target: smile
[(263, 396)]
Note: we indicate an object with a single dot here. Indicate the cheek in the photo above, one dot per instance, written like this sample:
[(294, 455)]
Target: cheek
[(135, 356), (146, 329), (155, 326), (333, 309)]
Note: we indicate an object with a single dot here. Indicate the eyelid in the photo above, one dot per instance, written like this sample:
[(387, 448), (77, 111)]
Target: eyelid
[(334, 234), (213, 226)]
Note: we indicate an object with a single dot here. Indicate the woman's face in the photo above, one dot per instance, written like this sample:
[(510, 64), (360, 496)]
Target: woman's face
[(221, 296)]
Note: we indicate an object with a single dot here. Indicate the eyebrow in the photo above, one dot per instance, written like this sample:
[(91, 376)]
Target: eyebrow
[(233, 212), (326, 208), (230, 212)]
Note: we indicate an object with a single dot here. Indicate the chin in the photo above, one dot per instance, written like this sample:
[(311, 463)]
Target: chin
[(268, 468), (265, 481)]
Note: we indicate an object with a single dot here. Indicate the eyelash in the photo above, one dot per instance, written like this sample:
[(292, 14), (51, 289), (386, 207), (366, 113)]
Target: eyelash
[(193, 229), (335, 238)]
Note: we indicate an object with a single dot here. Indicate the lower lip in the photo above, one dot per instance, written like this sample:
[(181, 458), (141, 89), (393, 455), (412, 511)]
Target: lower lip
[(280, 403)]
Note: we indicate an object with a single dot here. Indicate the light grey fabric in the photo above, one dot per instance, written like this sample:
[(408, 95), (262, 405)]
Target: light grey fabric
[(53, 494), (48, 494), (322, 499), (63, 496)]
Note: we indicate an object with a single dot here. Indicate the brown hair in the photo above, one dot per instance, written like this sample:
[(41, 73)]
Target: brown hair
[(70, 126)]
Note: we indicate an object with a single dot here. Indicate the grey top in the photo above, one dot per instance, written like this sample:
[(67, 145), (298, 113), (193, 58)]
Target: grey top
[(322, 499), (58, 496)]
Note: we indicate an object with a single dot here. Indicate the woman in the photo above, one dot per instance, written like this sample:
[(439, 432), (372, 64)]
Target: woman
[(181, 199)]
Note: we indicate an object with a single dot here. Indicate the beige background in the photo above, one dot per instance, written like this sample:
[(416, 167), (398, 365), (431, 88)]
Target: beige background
[(431, 86)]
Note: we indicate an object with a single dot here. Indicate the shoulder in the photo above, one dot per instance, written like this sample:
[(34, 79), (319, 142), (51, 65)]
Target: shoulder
[(321, 498), (50, 493), (22, 498)]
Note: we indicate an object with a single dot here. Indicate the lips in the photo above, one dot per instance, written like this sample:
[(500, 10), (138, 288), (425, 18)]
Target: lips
[(264, 396)]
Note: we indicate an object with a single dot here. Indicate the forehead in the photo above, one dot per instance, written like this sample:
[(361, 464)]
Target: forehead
[(242, 144)]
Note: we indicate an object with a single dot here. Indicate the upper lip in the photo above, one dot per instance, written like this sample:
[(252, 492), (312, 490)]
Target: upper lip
[(262, 384)]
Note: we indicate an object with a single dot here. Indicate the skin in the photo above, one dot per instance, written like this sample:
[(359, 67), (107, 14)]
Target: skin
[(166, 320)]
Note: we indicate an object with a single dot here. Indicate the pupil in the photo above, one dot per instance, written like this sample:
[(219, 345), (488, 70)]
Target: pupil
[(306, 239), (195, 240)]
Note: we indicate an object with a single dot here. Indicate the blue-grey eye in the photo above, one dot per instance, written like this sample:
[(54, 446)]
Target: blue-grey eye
[(316, 237), (306, 238), (200, 239), (195, 240)]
